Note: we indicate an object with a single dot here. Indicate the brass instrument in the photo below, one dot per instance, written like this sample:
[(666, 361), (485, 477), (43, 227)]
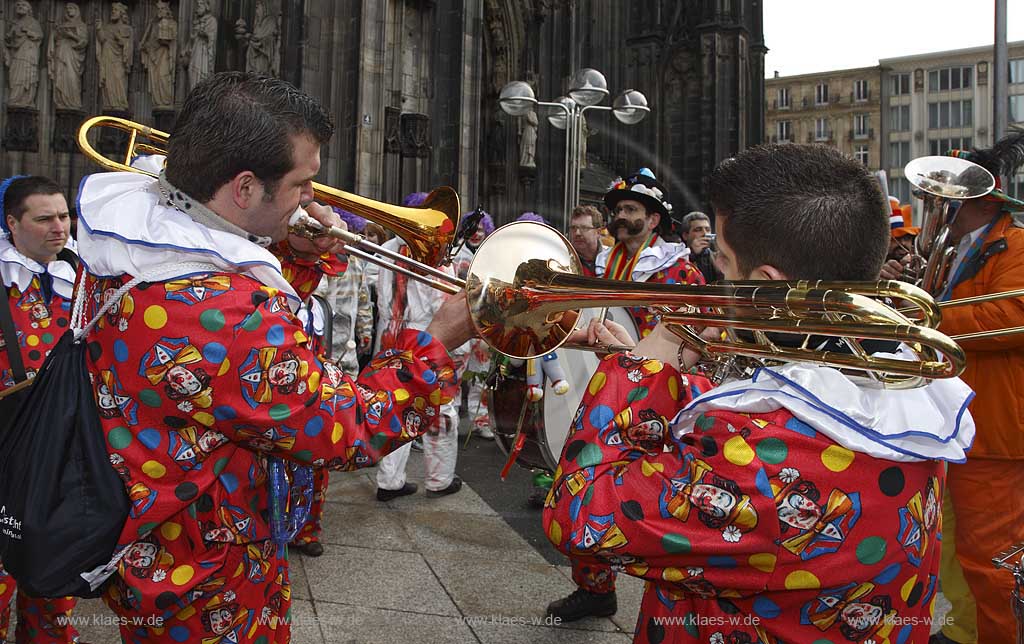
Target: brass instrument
[(524, 289), (528, 307), (1012, 559), (428, 230), (937, 182)]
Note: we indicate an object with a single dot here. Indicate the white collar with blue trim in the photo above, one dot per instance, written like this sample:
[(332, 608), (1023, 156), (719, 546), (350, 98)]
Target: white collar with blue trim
[(928, 422), (18, 270), (126, 228)]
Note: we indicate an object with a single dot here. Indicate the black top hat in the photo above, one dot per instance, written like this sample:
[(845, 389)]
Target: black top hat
[(643, 187)]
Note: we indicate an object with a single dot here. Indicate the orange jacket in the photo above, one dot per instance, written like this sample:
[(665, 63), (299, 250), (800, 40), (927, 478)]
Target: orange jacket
[(995, 366)]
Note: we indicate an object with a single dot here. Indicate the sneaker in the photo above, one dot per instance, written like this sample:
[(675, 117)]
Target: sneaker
[(583, 603), (417, 444), (484, 432), (388, 495), (452, 488), (311, 549)]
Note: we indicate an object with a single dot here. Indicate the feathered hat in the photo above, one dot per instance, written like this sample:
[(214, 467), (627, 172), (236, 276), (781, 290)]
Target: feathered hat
[(1003, 159), (642, 187)]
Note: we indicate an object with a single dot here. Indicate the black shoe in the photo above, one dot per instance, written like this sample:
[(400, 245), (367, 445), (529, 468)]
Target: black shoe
[(583, 603), (452, 488), (940, 638), (387, 495), (537, 498), (311, 549)]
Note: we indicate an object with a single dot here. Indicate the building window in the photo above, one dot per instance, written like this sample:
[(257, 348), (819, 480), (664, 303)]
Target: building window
[(782, 98), (862, 154), (821, 94), (1016, 74), (899, 154), (899, 118), (900, 84), (821, 132), (861, 125), (899, 188), (1016, 187), (1016, 113), (939, 147), (860, 90), (950, 78), (784, 131), (950, 114)]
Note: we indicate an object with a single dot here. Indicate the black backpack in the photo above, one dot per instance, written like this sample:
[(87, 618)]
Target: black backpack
[(62, 504)]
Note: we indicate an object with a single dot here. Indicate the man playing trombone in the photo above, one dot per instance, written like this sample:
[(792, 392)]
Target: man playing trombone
[(210, 375), (798, 505)]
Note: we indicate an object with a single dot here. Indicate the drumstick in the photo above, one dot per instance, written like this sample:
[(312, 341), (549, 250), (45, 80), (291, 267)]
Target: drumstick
[(520, 439)]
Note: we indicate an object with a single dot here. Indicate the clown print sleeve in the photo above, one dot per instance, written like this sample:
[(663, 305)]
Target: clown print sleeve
[(627, 493), (304, 275), (275, 395)]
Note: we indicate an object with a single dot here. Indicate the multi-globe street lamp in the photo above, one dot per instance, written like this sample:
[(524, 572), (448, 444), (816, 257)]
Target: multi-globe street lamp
[(587, 90)]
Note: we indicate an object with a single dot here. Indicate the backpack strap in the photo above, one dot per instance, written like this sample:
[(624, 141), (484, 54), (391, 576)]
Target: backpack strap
[(78, 310), (11, 338)]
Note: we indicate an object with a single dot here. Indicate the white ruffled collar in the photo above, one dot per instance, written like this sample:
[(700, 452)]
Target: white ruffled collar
[(18, 270), (658, 256), (126, 228), (928, 422)]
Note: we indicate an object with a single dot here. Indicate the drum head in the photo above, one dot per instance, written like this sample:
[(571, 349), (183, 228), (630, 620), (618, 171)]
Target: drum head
[(579, 367)]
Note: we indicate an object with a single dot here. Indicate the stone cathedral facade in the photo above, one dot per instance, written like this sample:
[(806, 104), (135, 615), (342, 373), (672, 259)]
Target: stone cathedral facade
[(412, 85)]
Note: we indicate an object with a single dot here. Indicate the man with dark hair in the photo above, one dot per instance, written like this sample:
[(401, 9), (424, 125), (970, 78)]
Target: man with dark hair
[(209, 375), (696, 231), (38, 273), (801, 505), (585, 227)]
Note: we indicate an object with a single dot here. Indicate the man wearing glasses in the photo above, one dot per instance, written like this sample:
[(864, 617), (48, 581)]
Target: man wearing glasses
[(585, 227)]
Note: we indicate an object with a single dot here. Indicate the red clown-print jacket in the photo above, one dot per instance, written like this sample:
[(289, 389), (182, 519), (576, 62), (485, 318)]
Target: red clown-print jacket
[(682, 272), (199, 379), (38, 325), (754, 528)]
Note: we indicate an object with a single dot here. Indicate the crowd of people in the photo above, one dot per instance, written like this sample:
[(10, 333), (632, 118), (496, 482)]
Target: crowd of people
[(812, 502)]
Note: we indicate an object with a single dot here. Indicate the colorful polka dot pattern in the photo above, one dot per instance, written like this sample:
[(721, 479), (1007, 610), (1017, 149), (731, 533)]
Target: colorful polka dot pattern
[(750, 528), (198, 380)]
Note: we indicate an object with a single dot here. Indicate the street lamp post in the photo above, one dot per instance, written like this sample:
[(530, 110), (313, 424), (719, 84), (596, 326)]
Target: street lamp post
[(587, 90)]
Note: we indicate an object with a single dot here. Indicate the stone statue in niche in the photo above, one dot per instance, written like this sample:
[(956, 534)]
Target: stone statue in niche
[(65, 55), (198, 56), (528, 140), (160, 54), (585, 133), (21, 56), (115, 43), (261, 43)]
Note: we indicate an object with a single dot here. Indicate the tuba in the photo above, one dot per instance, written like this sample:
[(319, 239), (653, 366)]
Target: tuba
[(939, 182)]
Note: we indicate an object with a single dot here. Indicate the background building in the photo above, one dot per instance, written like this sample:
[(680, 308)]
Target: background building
[(938, 101), (837, 108), (413, 84)]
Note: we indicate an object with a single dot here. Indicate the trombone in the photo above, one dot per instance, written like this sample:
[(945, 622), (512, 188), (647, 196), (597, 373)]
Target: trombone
[(525, 292), (429, 230)]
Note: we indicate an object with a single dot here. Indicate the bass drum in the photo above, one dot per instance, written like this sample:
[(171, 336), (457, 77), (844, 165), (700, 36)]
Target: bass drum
[(545, 425)]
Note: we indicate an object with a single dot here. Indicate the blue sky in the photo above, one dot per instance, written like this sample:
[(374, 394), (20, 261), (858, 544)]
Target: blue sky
[(805, 36)]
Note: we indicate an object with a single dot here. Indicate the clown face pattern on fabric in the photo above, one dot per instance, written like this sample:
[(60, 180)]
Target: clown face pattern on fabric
[(210, 377), (682, 272), (753, 520)]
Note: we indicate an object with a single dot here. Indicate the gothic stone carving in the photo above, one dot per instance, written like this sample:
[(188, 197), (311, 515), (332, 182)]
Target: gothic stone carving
[(415, 135)]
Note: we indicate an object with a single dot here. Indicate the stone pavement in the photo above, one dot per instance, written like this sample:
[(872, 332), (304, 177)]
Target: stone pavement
[(421, 570)]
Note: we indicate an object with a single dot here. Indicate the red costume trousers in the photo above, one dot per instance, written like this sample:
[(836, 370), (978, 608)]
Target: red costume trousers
[(39, 620)]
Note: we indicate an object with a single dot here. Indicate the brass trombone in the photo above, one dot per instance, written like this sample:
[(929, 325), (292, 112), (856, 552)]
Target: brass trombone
[(525, 293), (428, 230)]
